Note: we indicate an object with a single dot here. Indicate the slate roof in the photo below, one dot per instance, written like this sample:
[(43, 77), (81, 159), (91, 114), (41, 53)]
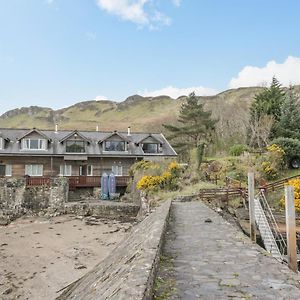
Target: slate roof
[(94, 148)]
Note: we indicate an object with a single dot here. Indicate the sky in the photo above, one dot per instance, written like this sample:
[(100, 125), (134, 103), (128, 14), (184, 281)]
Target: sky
[(54, 53)]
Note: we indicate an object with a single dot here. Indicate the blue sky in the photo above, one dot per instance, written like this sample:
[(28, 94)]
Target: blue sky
[(56, 52)]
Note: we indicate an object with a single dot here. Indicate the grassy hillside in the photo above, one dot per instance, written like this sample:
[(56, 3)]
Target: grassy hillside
[(142, 114)]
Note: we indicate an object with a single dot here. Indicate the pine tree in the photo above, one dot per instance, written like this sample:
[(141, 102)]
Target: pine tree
[(195, 125), (268, 102), (289, 123)]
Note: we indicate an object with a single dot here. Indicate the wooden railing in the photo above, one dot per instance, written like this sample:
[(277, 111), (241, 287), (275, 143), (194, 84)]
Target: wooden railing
[(37, 181), (224, 194), (278, 184), (94, 181), (77, 181)]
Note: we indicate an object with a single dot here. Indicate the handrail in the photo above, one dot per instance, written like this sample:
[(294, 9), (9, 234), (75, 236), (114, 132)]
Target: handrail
[(270, 218), (266, 232), (277, 184)]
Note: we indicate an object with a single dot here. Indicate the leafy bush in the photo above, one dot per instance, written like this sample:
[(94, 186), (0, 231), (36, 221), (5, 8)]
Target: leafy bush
[(167, 178), (296, 184), (290, 146), (237, 150), (273, 161)]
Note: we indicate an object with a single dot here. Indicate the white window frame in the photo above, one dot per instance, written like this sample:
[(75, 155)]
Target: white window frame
[(113, 141), (117, 170), (65, 170), (157, 148), (26, 144), (89, 170), (34, 170), (1, 143), (8, 170)]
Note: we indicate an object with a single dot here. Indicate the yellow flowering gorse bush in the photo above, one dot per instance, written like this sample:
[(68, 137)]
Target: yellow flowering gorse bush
[(296, 184), (273, 161), (167, 178)]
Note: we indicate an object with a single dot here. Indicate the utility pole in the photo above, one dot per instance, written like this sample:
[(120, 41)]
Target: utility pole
[(291, 228), (251, 206)]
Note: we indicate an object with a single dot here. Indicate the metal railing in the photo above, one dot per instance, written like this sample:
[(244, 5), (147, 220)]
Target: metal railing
[(272, 223)]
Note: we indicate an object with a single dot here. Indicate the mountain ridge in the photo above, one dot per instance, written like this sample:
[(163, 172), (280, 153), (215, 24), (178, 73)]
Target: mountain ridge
[(141, 113)]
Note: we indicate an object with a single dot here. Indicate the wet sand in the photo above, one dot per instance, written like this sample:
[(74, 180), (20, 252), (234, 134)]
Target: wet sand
[(38, 256)]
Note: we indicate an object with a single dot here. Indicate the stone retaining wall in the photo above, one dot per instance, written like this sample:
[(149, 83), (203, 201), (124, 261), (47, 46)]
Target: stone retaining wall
[(128, 272), (17, 199), (103, 209)]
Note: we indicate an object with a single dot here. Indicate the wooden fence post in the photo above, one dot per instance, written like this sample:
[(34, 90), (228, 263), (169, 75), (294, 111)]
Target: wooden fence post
[(291, 228), (251, 206)]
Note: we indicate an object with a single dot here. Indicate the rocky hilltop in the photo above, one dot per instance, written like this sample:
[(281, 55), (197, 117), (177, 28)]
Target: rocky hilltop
[(141, 113)]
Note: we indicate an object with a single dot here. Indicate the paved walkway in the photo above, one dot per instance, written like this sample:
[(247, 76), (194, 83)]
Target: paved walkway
[(216, 261)]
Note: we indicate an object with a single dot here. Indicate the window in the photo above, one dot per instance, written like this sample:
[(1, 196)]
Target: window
[(86, 170), (65, 170), (89, 170), (114, 146), (117, 170), (73, 146), (8, 170), (1, 143), (2, 170), (150, 148), (34, 144), (34, 170)]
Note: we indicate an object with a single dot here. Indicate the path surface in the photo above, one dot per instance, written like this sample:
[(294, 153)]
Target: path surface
[(216, 261)]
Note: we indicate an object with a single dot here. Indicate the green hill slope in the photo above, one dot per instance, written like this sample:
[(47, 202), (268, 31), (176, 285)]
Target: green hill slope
[(141, 113)]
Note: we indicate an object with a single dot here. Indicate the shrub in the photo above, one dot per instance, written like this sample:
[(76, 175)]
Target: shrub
[(166, 179), (296, 184), (273, 161), (290, 146), (237, 150)]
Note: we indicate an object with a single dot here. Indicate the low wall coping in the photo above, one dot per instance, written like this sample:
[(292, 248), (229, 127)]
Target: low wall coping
[(129, 271)]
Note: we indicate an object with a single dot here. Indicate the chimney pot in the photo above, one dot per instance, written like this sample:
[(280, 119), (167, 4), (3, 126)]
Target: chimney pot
[(129, 131), (56, 128)]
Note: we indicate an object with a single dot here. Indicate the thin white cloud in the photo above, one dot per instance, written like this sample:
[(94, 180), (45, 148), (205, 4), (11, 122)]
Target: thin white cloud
[(287, 73), (139, 12), (176, 2), (49, 1), (100, 97), (175, 92)]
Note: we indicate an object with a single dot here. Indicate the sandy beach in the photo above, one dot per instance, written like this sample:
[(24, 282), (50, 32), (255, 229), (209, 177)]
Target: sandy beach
[(39, 256)]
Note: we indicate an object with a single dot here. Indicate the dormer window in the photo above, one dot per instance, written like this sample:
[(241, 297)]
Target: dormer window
[(1, 143), (151, 148), (115, 146), (34, 144), (75, 146)]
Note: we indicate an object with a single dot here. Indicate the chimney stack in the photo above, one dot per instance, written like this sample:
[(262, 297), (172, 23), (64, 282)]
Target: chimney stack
[(128, 131), (56, 128)]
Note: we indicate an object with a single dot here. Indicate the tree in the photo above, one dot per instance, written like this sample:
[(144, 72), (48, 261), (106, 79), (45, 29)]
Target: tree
[(289, 123), (195, 125), (267, 103), (260, 130)]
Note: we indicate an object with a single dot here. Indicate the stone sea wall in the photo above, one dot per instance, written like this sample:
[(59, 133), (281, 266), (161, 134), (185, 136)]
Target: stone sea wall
[(17, 199), (129, 271), (103, 209)]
